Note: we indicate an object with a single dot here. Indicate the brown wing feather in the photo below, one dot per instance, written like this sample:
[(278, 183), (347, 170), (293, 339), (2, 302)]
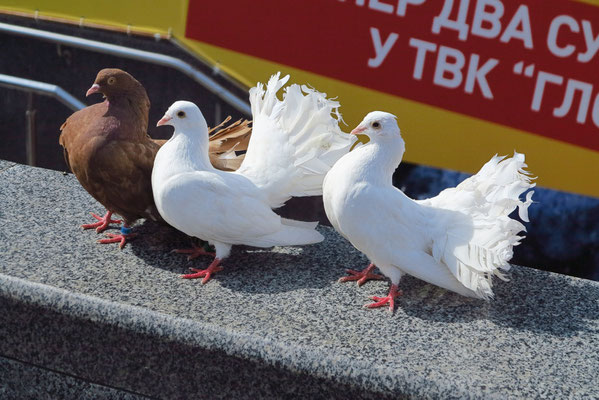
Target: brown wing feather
[(61, 141), (236, 135), (225, 142), (121, 178)]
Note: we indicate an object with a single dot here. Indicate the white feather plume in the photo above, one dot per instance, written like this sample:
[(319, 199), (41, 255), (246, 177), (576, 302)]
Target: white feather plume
[(295, 141)]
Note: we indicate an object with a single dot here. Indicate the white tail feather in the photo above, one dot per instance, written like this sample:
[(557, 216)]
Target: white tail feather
[(481, 248), (294, 142), (293, 233)]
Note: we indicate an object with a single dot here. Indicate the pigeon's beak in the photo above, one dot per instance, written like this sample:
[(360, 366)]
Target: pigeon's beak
[(164, 120), (94, 89), (362, 138)]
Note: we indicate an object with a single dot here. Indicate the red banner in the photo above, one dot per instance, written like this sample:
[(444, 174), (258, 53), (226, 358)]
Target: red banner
[(527, 64)]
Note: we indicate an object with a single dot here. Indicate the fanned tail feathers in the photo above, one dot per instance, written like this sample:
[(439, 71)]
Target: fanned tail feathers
[(226, 141), (481, 248), (225, 137), (295, 141)]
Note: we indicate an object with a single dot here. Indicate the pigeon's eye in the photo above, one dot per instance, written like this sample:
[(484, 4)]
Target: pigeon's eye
[(376, 125), (181, 114), (111, 80)]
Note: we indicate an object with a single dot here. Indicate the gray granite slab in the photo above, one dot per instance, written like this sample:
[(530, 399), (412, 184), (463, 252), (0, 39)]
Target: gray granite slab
[(4, 165), (26, 381), (279, 313)]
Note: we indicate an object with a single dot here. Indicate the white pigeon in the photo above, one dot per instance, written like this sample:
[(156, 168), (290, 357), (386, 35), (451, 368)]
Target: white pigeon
[(294, 143), (457, 240)]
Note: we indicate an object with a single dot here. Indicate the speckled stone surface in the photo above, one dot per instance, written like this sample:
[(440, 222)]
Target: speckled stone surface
[(22, 381), (275, 323)]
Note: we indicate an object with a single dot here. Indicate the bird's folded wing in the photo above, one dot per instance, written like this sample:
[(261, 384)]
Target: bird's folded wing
[(294, 141), (229, 209), (120, 178)]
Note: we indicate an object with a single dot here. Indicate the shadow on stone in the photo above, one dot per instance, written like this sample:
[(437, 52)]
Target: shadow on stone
[(557, 315), (263, 271), (248, 269)]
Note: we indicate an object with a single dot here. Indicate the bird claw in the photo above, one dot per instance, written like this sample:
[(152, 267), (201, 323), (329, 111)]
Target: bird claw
[(194, 252), (382, 301), (118, 238), (102, 223), (205, 273), (361, 276)]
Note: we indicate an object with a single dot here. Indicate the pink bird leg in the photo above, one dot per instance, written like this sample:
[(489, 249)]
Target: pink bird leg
[(206, 273), (361, 276), (389, 299), (121, 238), (194, 252), (102, 223)]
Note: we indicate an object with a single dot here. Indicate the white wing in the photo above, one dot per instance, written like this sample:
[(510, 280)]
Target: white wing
[(294, 142), (227, 208)]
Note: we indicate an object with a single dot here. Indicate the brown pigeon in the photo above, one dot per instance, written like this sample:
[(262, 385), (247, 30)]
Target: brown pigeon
[(107, 147)]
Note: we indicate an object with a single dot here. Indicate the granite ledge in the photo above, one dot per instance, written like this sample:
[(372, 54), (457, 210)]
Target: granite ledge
[(23, 381), (204, 336), (274, 320)]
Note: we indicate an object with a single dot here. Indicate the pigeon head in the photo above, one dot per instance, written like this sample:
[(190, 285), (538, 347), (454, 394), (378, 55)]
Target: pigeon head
[(112, 82), (186, 117), (378, 126)]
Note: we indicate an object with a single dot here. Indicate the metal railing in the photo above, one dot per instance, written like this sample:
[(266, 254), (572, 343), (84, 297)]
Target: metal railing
[(135, 54), (42, 88)]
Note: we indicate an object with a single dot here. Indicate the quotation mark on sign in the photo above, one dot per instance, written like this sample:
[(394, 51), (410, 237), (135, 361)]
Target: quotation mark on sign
[(528, 71)]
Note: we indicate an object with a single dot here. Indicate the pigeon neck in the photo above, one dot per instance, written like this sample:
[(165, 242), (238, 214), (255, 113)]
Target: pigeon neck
[(192, 151), (136, 106), (380, 160)]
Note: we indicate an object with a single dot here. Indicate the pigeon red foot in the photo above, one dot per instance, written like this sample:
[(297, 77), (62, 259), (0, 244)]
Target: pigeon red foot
[(102, 223), (205, 273), (389, 299), (194, 252), (361, 276), (120, 238)]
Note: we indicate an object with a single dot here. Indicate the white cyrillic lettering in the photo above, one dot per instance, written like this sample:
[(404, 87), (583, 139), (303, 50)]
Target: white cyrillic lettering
[(481, 15), (542, 78), (380, 50), (595, 112), (479, 75), (586, 89), (520, 18), (454, 68), (591, 42), (460, 25), (557, 22), (422, 47), (377, 5), (403, 4)]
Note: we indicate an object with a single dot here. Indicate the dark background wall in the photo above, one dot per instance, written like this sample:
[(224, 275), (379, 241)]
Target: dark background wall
[(562, 237), (75, 70)]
